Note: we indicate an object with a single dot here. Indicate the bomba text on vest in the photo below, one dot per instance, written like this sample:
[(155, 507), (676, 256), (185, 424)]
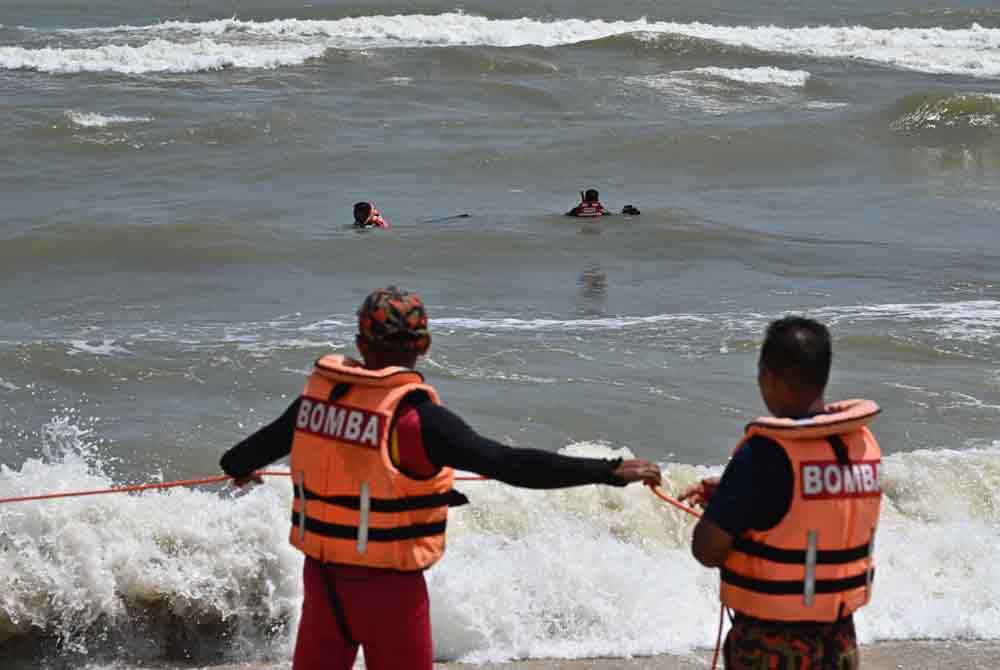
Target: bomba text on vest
[(338, 422), (830, 479)]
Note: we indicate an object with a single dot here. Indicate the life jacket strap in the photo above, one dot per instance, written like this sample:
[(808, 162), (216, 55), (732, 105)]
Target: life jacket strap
[(796, 587), (343, 532), (799, 556), (389, 505)]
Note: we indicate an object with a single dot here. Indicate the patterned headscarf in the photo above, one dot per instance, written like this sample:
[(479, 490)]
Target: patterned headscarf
[(394, 319)]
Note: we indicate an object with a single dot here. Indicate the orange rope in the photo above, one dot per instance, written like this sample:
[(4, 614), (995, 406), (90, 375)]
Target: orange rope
[(284, 473), (163, 485), (695, 513), (718, 638), (119, 489), (674, 501)]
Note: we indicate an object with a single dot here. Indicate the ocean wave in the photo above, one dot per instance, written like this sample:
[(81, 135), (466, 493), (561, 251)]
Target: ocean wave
[(756, 76), (157, 56), (104, 347), (205, 576), (976, 319), (718, 90), (972, 111), (973, 51), (953, 13), (967, 320), (577, 325), (96, 120), (961, 329)]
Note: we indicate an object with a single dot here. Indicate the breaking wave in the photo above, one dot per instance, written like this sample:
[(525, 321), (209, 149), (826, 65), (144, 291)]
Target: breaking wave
[(95, 120), (756, 76), (201, 577), (719, 90), (186, 46), (158, 56), (975, 111)]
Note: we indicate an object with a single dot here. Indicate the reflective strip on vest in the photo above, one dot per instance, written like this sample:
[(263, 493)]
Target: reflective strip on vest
[(300, 485), (364, 508)]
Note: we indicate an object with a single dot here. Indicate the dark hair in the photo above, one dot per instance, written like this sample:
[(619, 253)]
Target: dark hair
[(591, 195), (365, 207), (798, 350)]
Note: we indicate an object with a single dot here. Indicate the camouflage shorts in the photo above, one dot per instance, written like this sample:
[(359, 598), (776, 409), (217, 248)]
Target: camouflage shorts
[(763, 645)]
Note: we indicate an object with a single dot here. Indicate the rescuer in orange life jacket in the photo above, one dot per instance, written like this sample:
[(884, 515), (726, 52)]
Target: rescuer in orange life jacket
[(792, 521), (367, 216), (373, 453)]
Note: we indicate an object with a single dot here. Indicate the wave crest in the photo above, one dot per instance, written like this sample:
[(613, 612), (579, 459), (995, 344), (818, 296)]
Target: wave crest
[(96, 120), (208, 578), (975, 111), (184, 46), (158, 56)]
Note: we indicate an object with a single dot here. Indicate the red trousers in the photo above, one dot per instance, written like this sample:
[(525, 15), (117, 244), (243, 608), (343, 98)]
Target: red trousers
[(386, 612)]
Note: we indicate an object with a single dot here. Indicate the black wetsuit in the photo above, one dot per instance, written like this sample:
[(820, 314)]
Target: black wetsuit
[(448, 442)]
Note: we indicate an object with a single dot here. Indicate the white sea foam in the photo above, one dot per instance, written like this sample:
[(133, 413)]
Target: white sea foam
[(609, 323), (758, 76), (711, 89), (709, 96), (105, 347), (823, 105), (969, 320), (972, 319), (973, 51), (592, 571), (158, 55), (96, 120), (95, 557)]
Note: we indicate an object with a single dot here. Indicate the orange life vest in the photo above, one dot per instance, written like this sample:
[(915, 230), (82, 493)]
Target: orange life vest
[(816, 563), (352, 505), (589, 209)]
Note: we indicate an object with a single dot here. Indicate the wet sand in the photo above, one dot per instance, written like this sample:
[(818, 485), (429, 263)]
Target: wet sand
[(911, 655), (908, 655)]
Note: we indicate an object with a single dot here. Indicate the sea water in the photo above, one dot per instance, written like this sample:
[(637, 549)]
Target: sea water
[(175, 251)]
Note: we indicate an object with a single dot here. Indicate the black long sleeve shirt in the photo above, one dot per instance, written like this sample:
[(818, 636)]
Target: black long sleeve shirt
[(449, 442)]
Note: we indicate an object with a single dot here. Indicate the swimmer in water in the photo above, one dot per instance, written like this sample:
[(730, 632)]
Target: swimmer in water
[(590, 205), (366, 216)]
